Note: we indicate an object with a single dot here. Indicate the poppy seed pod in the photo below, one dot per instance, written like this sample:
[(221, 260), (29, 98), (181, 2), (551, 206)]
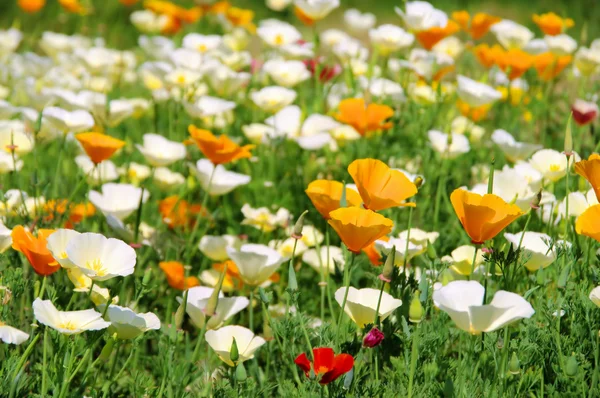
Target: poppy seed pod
[(234, 354), (297, 233), (388, 268), (514, 366), (415, 311)]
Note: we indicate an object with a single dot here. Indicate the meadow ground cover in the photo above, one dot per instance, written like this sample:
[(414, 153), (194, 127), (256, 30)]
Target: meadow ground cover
[(298, 198)]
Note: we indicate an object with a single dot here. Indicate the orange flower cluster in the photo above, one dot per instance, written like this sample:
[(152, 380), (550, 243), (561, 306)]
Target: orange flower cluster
[(177, 14), (76, 212), (34, 248), (379, 188), (483, 217), (218, 150), (364, 118), (478, 26), (551, 24), (31, 6), (73, 6), (177, 212), (430, 37), (476, 114), (175, 273), (549, 65)]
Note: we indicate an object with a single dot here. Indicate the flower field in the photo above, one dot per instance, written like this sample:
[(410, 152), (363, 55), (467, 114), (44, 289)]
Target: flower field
[(299, 198)]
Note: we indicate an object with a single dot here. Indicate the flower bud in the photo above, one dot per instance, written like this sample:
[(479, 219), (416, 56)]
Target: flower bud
[(213, 301), (572, 366), (240, 372), (431, 253), (569, 138), (415, 311), (234, 354), (388, 267), (514, 366), (418, 182), (179, 314), (292, 282), (108, 348), (36, 288), (147, 276), (535, 203), (373, 338), (297, 233)]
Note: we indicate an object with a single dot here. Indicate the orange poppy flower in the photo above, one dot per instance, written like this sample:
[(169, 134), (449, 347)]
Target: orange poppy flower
[(99, 147), (233, 280), (326, 195), (128, 3), (477, 26), (590, 170), (305, 19), (34, 248), (218, 150), (430, 37), (177, 212), (175, 274), (31, 6), (241, 17), (515, 62), (375, 258), (220, 7), (73, 6), (191, 15), (363, 118), (551, 24), (476, 114), (379, 186), (588, 223), (483, 217), (358, 228), (462, 18), (488, 56), (549, 66)]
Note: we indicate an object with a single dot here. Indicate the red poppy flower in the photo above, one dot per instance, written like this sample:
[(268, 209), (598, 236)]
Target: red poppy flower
[(327, 366)]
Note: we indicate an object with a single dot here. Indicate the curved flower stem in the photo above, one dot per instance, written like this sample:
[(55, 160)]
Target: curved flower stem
[(251, 310), (43, 289), (45, 355), (347, 284), (477, 246)]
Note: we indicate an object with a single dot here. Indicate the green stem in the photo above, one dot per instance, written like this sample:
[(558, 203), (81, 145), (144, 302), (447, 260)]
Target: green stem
[(110, 380), (65, 383), (43, 289), (24, 357), (251, 310), (413, 359), (192, 239), (347, 284), (44, 361), (473, 261)]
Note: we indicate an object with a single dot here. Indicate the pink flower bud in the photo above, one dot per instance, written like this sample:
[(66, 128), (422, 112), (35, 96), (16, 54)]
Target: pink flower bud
[(373, 338), (584, 112)]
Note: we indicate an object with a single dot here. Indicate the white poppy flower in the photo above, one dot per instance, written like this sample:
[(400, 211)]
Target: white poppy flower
[(286, 247), (350, 50), (102, 172), (5, 237), (67, 322), (223, 181), (101, 258), (587, 60), (418, 236), (202, 43), (261, 218), (57, 244), (327, 257), (420, 15), (220, 341), (207, 106), (135, 172), (536, 47), (215, 247), (578, 203), (449, 46), (157, 47), (461, 259), (10, 335), (227, 307), (359, 23), (512, 149), (595, 296), (463, 302), (330, 38), (159, 151), (120, 200), (361, 304), (273, 98), (448, 145), (536, 249), (511, 34), (476, 94), (9, 41), (147, 21), (65, 121), (561, 44), (278, 5), (255, 263), (128, 324), (166, 179), (14, 137), (278, 34), (551, 164), (316, 9), (390, 38), (286, 73), (402, 254)]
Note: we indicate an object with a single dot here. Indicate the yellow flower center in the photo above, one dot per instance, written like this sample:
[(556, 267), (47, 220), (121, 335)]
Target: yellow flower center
[(554, 167), (181, 79), (67, 325), (97, 267), (62, 256), (279, 40), (202, 48)]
